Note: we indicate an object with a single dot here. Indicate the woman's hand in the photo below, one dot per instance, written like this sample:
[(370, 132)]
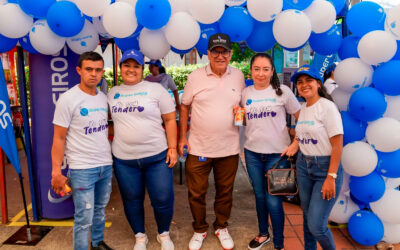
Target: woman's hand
[(172, 157), (328, 188), (291, 149)]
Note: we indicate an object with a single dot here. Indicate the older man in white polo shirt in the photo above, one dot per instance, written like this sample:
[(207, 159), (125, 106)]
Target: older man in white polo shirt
[(212, 92)]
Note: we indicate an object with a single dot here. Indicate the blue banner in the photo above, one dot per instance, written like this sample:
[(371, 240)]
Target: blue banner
[(321, 62), (7, 137)]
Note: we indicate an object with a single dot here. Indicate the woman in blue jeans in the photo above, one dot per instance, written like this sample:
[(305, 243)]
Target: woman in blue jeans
[(266, 104), (319, 135), (144, 153)]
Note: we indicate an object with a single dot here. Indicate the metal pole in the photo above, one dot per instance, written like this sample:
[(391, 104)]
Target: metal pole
[(28, 226), (115, 66), (25, 114), (3, 192)]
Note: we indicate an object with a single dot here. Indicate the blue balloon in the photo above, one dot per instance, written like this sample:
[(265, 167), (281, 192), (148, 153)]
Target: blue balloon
[(65, 19), (397, 55), (360, 204), (262, 38), (128, 43), (388, 164), (354, 130), (365, 228), (326, 43), (364, 17), (153, 14), (207, 30), (338, 4), (37, 8), (367, 104), (180, 52), (249, 82), (7, 44), (237, 23), (26, 44), (296, 4), (369, 188), (294, 49), (348, 48), (386, 78)]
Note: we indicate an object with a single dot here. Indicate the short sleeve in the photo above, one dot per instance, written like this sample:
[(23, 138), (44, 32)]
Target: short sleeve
[(243, 98), (171, 83), (291, 105), (332, 120), (165, 101), (187, 96), (63, 113)]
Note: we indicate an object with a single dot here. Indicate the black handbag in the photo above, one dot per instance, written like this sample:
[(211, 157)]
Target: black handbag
[(282, 180)]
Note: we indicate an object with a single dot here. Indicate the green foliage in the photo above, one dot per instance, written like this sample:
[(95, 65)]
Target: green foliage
[(238, 56), (244, 67)]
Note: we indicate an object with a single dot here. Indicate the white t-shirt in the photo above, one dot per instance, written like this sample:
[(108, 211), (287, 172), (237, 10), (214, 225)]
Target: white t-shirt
[(85, 116), (136, 111), (330, 85), (316, 124), (266, 131), (164, 79)]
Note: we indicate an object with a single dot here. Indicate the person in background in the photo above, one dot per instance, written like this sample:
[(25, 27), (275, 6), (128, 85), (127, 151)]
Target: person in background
[(81, 132), (159, 75), (211, 92), (144, 153), (319, 135), (329, 78)]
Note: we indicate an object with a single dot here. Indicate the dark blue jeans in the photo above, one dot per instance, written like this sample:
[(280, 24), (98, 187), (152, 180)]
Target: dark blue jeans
[(311, 174), (133, 177), (257, 166)]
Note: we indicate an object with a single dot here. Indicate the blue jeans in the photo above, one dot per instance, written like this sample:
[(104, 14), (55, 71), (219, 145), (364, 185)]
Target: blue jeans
[(311, 174), (153, 173), (257, 166), (91, 189)]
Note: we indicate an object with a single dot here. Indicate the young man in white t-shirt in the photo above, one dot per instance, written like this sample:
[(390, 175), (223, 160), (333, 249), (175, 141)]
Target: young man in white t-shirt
[(81, 133)]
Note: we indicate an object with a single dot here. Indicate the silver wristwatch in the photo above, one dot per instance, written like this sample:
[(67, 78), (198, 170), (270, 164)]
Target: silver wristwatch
[(333, 175)]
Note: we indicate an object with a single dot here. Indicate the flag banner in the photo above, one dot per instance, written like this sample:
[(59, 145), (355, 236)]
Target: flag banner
[(7, 137), (50, 76)]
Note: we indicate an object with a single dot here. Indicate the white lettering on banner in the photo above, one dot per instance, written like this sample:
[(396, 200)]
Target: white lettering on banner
[(59, 64), (325, 64), (4, 115)]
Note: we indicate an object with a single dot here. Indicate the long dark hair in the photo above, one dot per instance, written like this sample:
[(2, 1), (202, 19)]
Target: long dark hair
[(161, 69), (322, 91), (275, 83)]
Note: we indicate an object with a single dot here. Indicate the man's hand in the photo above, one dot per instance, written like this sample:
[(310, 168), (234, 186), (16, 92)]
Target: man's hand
[(182, 142), (58, 182)]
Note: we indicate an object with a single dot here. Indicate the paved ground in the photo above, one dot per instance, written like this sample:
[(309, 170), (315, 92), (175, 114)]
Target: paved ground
[(243, 222)]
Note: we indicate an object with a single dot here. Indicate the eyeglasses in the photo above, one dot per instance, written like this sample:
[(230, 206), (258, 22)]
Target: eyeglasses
[(224, 53)]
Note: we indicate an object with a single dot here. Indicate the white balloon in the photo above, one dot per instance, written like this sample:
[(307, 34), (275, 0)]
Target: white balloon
[(343, 209), (384, 134), (393, 107), (153, 43), (93, 8), (291, 28), (119, 20), (14, 23), (322, 15), (376, 47), (387, 208), (182, 31), (98, 25), (179, 6), (86, 40), (393, 21), (264, 10), (44, 40), (352, 74), (391, 233), (207, 11), (345, 186), (341, 98), (392, 183), (3, 2), (234, 2), (359, 158), (131, 2)]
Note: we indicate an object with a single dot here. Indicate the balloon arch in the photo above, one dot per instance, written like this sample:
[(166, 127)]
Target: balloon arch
[(368, 74)]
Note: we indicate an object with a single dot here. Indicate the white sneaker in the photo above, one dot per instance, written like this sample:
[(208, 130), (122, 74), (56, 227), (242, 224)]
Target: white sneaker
[(225, 238), (197, 240), (141, 241), (165, 241)]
